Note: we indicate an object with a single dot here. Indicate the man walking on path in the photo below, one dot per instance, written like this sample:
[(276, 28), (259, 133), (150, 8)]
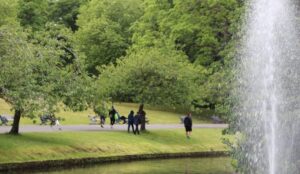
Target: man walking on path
[(188, 125), (112, 114)]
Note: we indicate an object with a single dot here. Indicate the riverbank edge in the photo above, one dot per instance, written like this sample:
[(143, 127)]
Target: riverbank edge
[(67, 163)]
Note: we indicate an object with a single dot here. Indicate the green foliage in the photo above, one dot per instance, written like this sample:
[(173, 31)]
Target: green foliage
[(167, 52), (63, 41), (8, 12), (156, 76), (29, 75), (104, 33), (65, 12), (199, 28), (33, 13)]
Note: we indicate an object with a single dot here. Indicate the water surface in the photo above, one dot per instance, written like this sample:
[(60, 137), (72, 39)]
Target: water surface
[(173, 166)]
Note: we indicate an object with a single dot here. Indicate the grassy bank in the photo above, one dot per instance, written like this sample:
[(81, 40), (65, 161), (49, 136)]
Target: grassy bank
[(66, 145), (71, 118)]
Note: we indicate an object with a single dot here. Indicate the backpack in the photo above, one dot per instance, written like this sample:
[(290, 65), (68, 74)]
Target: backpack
[(117, 116)]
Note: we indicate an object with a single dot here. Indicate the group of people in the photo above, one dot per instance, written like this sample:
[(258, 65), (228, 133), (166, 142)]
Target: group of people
[(133, 120)]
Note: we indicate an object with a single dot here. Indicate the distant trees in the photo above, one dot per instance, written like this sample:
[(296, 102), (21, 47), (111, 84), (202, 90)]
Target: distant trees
[(104, 30), (65, 12), (33, 13), (156, 76), (8, 12), (167, 52)]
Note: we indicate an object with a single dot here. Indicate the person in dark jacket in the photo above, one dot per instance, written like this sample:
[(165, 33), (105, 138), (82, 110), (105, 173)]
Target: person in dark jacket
[(131, 121), (188, 125), (112, 114), (136, 123)]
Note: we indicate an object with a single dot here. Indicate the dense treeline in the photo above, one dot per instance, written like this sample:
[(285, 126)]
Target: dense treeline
[(171, 53)]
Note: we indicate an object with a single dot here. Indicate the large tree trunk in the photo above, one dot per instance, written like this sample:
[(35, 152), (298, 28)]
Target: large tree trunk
[(143, 122), (15, 127)]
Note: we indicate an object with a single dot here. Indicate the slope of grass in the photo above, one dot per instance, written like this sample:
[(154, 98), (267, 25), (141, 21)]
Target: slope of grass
[(66, 145), (155, 116)]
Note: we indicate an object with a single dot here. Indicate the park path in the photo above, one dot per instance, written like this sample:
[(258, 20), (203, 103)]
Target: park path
[(73, 128)]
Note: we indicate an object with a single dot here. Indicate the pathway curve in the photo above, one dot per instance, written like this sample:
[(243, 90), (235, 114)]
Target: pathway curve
[(68, 128)]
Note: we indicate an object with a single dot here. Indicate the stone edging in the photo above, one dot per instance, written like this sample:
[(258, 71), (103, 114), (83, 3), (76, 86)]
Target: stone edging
[(48, 164)]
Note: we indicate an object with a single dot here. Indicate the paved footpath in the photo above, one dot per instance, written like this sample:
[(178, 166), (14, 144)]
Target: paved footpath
[(69, 128)]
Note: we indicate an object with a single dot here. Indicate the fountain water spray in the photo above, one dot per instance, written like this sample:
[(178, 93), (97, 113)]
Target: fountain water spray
[(269, 89)]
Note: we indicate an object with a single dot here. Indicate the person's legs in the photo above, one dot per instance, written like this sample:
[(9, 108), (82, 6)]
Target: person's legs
[(132, 127), (128, 130), (137, 129), (112, 122), (102, 122)]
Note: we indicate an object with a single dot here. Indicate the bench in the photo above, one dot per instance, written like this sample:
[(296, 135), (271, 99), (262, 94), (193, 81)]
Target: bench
[(45, 119), (93, 119), (5, 119), (216, 120)]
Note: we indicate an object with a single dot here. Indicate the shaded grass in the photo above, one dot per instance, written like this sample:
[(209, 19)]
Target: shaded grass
[(66, 145), (73, 118)]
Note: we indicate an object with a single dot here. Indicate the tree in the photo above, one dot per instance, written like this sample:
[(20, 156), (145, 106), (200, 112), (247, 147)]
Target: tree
[(65, 12), (8, 12), (33, 13), (32, 79), (203, 30), (104, 30), (156, 76)]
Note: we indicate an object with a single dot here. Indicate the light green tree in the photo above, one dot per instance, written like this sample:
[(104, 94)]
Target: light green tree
[(104, 30)]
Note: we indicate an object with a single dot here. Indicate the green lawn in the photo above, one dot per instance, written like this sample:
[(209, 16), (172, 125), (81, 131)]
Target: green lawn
[(155, 116), (65, 145)]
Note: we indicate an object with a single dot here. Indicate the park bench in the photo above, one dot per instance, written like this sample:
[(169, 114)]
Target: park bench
[(122, 120), (45, 119), (216, 120), (5, 119), (93, 119)]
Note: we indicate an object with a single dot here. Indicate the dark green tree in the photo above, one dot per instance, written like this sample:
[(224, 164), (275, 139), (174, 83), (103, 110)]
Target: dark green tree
[(65, 12), (33, 13)]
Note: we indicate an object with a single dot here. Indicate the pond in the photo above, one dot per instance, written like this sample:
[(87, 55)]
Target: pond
[(161, 166)]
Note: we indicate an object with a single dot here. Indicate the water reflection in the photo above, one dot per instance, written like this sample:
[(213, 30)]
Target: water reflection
[(186, 165)]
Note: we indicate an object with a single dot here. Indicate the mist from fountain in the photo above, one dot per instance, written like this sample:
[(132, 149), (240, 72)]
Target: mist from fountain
[(269, 89)]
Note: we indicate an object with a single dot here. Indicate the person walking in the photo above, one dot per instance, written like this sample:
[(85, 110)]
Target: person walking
[(102, 120), (131, 121), (112, 114), (136, 123), (188, 125)]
